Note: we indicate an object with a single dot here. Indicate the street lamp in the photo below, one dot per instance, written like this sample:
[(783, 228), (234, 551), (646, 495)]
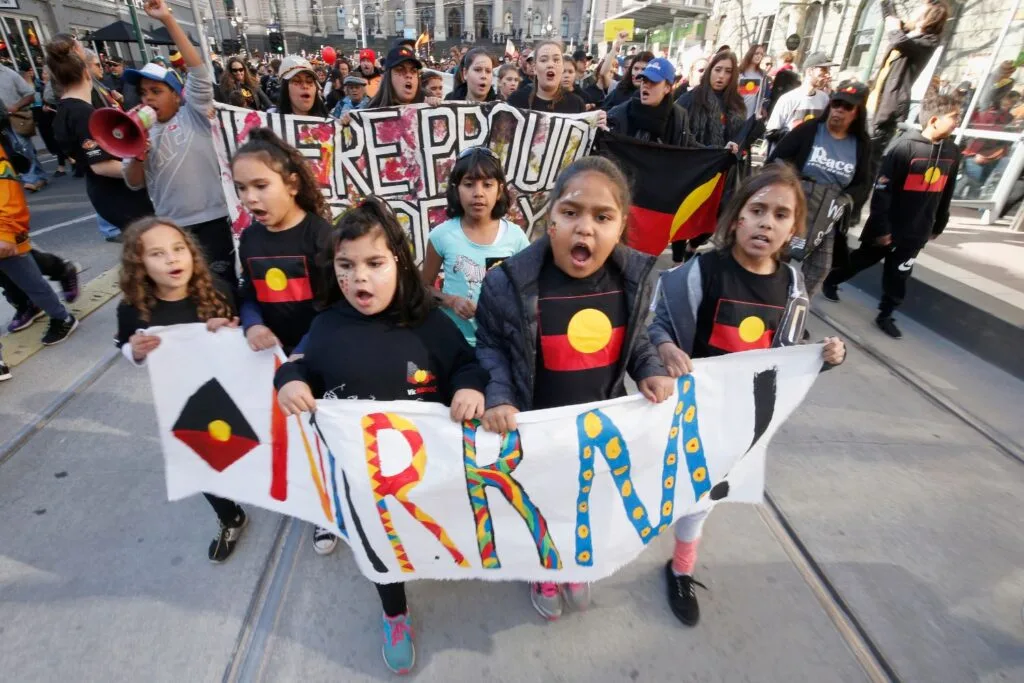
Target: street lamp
[(529, 22), (549, 28)]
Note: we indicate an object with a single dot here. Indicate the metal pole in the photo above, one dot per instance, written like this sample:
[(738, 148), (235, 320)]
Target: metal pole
[(965, 122), (138, 32), (593, 17), (876, 42), (362, 23), (204, 44), (217, 33)]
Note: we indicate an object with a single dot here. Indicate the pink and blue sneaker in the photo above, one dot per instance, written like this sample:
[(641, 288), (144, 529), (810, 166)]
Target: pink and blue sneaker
[(398, 650)]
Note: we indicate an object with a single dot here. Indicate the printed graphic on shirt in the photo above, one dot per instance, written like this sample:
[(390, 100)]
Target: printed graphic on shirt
[(470, 270), (802, 116), (744, 325), (582, 332), (820, 159), (750, 86), (280, 279), (7, 171), (927, 175), (213, 426), (423, 381)]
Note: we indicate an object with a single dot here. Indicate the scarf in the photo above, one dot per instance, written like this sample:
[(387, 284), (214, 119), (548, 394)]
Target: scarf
[(711, 125), (652, 120)]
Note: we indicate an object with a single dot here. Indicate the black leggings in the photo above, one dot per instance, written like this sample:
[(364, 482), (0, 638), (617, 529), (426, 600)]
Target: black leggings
[(218, 246), (392, 598), (44, 122), (227, 510)]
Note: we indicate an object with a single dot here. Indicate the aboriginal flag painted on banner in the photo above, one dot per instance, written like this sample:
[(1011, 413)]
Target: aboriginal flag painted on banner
[(213, 426), (676, 191), (280, 279)]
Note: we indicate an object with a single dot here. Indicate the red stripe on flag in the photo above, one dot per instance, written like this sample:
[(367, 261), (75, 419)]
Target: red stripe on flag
[(703, 219), (727, 338), (560, 356), (648, 230), (278, 448), (297, 289)]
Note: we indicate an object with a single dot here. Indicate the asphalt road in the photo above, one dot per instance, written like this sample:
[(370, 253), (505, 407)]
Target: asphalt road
[(891, 550)]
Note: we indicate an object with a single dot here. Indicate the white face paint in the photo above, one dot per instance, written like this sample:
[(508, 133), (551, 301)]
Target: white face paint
[(366, 272)]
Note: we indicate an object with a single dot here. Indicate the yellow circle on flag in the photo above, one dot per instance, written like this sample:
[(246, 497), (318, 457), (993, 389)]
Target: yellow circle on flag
[(276, 279), (751, 329), (749, 86), (932, 175), (420, 376), (589, 331), (219, 430)]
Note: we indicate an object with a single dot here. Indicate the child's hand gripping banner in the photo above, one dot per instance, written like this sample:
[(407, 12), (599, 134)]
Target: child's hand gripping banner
[(405, 154), (573, 495)]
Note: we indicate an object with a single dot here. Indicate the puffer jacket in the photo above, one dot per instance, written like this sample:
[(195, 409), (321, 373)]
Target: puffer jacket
[(506, 316)]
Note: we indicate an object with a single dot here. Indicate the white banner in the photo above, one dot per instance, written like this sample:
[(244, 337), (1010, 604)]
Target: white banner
[(576, 493)]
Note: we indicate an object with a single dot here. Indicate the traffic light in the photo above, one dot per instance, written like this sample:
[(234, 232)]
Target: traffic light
[(276, 42)]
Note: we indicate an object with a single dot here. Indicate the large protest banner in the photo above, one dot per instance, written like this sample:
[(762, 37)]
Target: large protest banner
[(574, 494), (405, 154)]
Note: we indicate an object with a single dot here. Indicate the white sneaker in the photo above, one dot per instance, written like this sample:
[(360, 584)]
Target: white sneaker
[(324, 541)]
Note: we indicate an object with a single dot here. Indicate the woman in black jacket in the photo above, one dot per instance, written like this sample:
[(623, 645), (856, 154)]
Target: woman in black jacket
[(239, 85), (833, 155), (653, 117), (629, 84), (911, 45)]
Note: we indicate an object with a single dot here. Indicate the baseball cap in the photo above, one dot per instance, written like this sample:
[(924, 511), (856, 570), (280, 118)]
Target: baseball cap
[(399, 54), (817, 59), (367, 54), (659, 69), (354, 80), (153, 72), (115, 60), (161, 60), (294, 64), (852, 91), (177, 60), (580, 55)]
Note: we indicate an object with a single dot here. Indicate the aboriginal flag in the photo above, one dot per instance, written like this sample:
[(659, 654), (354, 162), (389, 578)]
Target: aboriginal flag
[(280, 279), (744, 326), (749, 86), (928, 175), (582, 332), (676, 190), (212, 425)]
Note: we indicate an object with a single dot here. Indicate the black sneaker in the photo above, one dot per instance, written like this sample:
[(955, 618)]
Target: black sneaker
[(59, 330), (69, 282), (830, 292), (114, 239), (224, 544), (5, 371), (888, 325), (682, 597)]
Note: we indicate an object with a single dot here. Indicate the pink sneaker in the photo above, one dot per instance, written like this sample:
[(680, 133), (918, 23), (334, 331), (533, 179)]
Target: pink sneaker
[(577, 595), (546, 599)]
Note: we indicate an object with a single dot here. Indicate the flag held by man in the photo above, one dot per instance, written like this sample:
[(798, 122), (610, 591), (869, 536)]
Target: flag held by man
[(676, 191)]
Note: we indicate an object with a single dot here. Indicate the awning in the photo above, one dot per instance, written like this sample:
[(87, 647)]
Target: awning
[(117, 32), (655, 13), (160, 36)]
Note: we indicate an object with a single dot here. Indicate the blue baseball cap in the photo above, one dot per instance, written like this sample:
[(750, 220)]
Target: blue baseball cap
[(153, 72), (659, 69)]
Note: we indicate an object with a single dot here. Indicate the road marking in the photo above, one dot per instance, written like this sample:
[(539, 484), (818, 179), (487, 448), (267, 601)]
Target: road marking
[(58, 226), (22, 345)]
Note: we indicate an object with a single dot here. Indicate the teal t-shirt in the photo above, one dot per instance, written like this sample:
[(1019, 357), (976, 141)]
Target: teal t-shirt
[(465, 262)]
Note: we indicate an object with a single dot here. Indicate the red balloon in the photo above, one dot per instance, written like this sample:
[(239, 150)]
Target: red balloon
[(329, 55)]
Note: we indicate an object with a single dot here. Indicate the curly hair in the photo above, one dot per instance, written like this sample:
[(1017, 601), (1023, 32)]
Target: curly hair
[(138, 287), (264, 144), (412, 301)]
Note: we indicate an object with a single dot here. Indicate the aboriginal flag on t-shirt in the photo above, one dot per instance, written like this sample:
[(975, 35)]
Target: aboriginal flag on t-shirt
[(213, 426), (749, 86), (744, 326), (280, 279), (582, 332), (676, 190), (927, 175)]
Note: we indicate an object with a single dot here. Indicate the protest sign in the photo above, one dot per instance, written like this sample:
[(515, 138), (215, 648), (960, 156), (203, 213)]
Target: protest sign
[(405, 154), (576, 493)]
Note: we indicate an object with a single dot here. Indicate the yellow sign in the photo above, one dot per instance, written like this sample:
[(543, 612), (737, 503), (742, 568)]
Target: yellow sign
[(612, 27)]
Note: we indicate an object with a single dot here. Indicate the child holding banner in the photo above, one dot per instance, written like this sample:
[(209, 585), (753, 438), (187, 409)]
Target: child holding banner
[(166, 281), (278, 251), (398, 346), (475, 238), (737, 298), (560, 323)]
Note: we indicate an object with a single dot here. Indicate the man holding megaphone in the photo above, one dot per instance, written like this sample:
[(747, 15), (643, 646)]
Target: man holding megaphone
[(179, 167)]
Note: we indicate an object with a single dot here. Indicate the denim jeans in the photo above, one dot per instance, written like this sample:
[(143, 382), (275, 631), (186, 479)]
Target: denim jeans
[(25, 274), (35, 173), (107, 229)]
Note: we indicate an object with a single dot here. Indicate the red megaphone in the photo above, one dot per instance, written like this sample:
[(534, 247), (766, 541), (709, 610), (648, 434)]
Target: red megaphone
[(122, 134)]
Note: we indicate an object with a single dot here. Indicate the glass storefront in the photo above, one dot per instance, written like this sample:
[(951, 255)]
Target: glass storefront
[(21, 43)]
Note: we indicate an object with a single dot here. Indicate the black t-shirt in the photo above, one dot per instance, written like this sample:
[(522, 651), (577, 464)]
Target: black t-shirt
[(581, 324), (111, 198), (279, 274), (740, 310), (568, 103), (165, 313)]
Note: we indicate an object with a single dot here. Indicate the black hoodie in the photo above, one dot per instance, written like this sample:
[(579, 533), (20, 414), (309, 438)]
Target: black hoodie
[(913, 190), (351, 355), (906, 57)]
